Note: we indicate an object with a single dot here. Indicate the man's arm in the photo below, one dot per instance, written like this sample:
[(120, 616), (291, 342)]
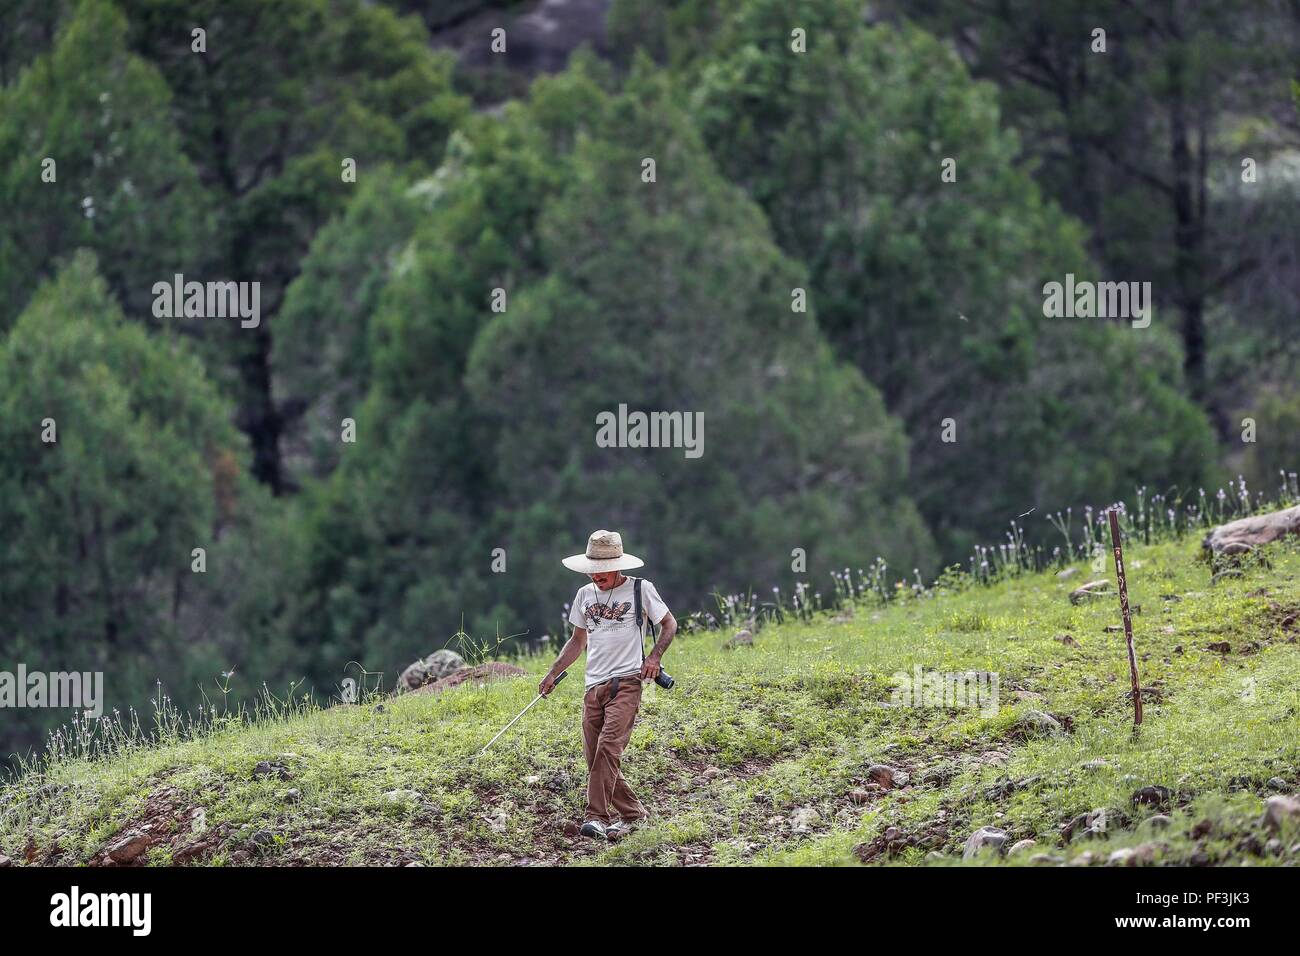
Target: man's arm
[(571, 651), (667, 628)]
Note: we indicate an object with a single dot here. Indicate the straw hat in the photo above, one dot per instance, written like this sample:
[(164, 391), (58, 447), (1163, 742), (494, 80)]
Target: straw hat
[(604, 553)]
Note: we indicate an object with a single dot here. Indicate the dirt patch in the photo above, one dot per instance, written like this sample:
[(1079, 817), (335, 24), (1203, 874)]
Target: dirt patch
[(493, 670)]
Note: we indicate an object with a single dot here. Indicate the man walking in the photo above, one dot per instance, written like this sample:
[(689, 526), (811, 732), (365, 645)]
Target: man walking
[(606, 625)]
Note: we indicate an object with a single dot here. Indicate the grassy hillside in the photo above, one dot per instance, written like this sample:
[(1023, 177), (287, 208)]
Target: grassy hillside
[(761, 753)]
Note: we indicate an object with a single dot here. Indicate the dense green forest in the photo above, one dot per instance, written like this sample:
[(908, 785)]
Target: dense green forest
[(827, 226)]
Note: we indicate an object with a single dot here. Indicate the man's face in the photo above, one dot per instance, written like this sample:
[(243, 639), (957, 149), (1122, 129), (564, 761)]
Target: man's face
[(606, 579)]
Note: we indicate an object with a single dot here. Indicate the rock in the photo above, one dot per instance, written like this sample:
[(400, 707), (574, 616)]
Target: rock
[(1086, 858), (1066, 574), (415, 863), (984, 837), (804, 819), (1223, 647), (886, 776), (859, 796), (742, 638), (1090, 591), (262, 838), (1153, 796), (1132, 856), (1035, 723), (270, 768), (935, 855), (129, 847), (5, 861), (1274, 846), (435, 667), (1252, 532), (1277, 783), (293, 796), (1021, 845), (846, 818), (1157, 822), (498, 821), (1039, 859), (572, 829), (1202, 828), (1280, 812), (559, 782), (1095, 765), (1086, 825), (711, 773), (1067, 640)]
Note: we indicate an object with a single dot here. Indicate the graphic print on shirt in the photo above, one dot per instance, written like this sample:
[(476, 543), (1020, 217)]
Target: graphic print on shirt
[(593, 614)]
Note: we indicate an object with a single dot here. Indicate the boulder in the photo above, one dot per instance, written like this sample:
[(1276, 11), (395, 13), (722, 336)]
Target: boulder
[(435, 667), (984, 837), (886, 776), (1280, 812), (128, 848), (1237, 537), (1021, 846)]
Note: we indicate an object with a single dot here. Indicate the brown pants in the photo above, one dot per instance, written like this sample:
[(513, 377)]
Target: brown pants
[(606, 727)]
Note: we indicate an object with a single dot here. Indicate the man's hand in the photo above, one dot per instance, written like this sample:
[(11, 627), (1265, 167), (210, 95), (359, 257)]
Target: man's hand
[(547, 685), (650, 669)]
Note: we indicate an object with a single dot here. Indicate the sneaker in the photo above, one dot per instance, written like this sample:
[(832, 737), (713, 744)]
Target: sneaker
[(622, 828), (594, 828)]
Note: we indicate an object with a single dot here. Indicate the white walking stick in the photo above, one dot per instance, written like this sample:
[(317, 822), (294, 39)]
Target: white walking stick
[(563, 674)]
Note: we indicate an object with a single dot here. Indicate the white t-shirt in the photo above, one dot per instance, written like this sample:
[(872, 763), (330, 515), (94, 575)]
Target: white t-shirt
[(613, 638)]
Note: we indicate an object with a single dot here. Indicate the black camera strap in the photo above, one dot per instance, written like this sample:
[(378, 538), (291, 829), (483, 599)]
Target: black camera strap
[(641, 624), (663, 680)]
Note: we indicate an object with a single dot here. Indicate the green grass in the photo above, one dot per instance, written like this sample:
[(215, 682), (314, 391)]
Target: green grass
[(752, 736)]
